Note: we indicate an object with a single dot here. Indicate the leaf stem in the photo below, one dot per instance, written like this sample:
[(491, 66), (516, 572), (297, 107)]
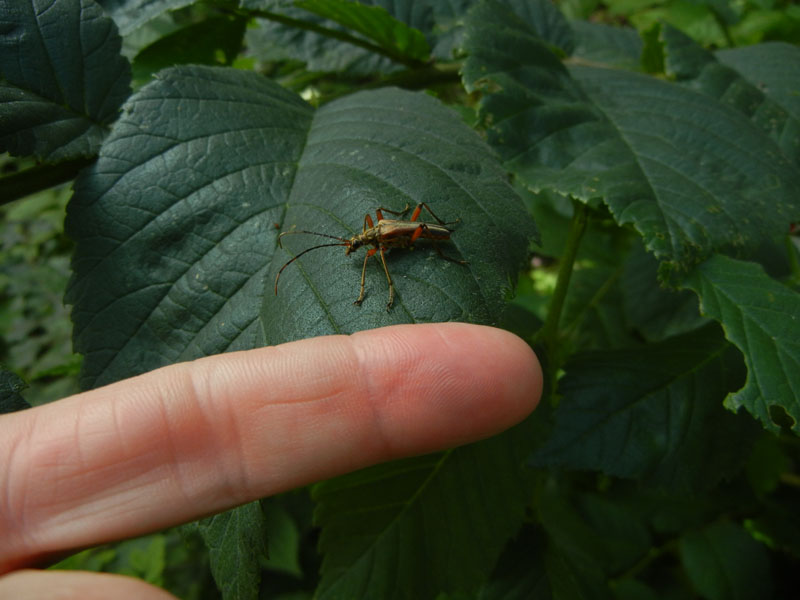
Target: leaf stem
[(548, 334), (40, 177)]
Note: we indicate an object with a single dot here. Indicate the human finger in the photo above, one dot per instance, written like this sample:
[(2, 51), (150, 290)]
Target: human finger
[(197, 438)]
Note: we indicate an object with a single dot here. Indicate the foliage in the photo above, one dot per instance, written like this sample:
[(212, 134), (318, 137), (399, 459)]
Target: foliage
[(663, 173)]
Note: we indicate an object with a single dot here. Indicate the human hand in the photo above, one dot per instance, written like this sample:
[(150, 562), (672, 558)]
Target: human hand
[(198, 438)]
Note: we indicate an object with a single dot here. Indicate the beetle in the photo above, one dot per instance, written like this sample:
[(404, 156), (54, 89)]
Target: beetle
[(382, 236)]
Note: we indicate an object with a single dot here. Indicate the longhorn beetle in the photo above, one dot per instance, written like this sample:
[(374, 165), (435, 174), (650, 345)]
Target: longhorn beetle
[(383, 236)]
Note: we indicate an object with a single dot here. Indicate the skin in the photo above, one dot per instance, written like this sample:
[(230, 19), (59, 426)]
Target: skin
[(201, 437)]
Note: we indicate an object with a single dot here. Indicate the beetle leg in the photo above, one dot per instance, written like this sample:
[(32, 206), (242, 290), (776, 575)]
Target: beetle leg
[(396, 213), (368, 224), (361, 293), (418, 232), (418, 209), (444, 256), (388, 278)]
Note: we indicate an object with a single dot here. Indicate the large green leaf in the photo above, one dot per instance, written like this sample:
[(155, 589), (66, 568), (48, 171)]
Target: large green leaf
[(416, 527), (646, 413), (690, 174), (62, 79), (176, 224), (393, 149), (762, 317)]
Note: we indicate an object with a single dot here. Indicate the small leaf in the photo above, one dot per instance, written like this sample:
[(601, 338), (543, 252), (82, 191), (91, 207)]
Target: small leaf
[(724, 562), (213, 41), (647, 412), (62, 79), (373, 22), (11, 399), (762, 317), (132, 14), (615, 46), (273, 41), (237, 540)]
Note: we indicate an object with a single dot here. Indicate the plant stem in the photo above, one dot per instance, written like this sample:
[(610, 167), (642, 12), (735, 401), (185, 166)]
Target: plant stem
[(38, 178), (548, 334)]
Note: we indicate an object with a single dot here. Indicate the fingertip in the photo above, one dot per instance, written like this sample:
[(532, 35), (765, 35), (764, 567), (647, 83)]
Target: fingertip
[(451, 383)]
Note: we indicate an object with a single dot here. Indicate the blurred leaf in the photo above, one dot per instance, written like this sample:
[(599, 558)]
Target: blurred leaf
[(762, 317), (767, 464), (724, 562), (373, 22), (132, 14), (651, 412), (214, 41), (271, 40), (59, 91), (776, 111), (520, 573), (655, 311), (284, 539), (11, 399), (641, 144), (590, 529), (416, 527), (618, 47), (546, 20)]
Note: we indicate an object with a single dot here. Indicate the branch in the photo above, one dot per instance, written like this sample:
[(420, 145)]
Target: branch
[(41, 177)]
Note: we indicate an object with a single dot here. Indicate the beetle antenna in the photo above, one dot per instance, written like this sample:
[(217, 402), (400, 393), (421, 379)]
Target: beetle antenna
[(344, 243), (333, 237)]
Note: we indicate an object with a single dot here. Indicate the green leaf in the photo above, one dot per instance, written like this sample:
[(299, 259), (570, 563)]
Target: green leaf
[(649, 412), (271, 41), (408, 150), (775, 112), (237, 541), (599, 43), (724, 562), (284, 539), (762, 317), (691, 175), (176, 224), (520, 573), (373, 22), (417, 527), (544, 17), (656, 312), (11, 399), (132, 14), (213, 41), (62, 79), (597, 531)]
